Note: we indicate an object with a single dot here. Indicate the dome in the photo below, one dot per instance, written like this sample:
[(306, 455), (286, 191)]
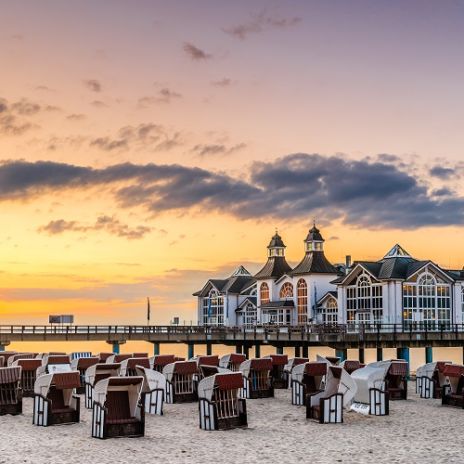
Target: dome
[(276, 242), (314, 235)]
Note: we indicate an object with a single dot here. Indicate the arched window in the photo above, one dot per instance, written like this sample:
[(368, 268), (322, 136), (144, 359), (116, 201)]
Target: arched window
[(302, 301), (364, 293), (286, 291), (331, 312), (264, 293)]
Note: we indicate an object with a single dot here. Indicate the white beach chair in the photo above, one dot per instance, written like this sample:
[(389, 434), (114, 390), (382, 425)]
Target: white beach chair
[(94, 374)]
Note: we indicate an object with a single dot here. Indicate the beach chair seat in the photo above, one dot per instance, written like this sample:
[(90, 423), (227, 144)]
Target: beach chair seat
[(181, 382), (257, 380), (11, 400), (232, 361), (117, 410), (28, 374), (94, 374)]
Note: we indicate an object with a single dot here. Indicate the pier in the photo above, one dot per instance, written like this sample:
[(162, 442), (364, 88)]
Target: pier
[(301, 338)]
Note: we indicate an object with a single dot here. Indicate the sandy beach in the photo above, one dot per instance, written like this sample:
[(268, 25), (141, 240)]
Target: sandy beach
[(416, 431)]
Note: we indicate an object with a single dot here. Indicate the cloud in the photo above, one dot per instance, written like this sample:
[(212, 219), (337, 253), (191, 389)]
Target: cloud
[(259, 23), (105, 223), (76, 117), (362, 193), (224, 82), (144, 136), (442, 172), (217, 149), (165, 95), (93, 85), (15, 117), (99, 104), (195, 53)]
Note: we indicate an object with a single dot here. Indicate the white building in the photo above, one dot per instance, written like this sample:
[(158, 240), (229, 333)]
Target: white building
[(399, 289)]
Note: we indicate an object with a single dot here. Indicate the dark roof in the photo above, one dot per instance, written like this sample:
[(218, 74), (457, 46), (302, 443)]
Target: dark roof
[(457, 274), (329, 293), (276, 241), (275, 267), (248, 299), (234, 284), (278, 304), (314, 262), (314, 234)]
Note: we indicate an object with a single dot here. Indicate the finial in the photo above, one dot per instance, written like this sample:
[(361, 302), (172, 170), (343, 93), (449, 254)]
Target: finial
[(314, 222)]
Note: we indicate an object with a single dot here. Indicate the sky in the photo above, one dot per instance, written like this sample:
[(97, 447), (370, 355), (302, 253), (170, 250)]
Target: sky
[(148, 146)]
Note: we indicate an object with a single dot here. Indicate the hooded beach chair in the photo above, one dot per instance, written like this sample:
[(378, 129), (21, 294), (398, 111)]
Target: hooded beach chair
[(327, 406), (257, 380), (4, 356), (453, 395), (430, 379), (396, 379), (54, 363), (292, 362), (80, 354), (116, 410), (181, 382), (158, 361), (232, 361), (118, 358), (307, 378), (104, 356), (54, 399), (350, 365), (128, 366), (12, 359), (28, 374), (279, 379), (207, 365), (154, 390), (94, 374), (11, 400), (81, 365), (220, 405), (371, 395)]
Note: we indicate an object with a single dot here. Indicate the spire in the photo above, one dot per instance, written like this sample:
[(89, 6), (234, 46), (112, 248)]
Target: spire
[(314, 240), (276, 246), (397, 252), (276, 264)]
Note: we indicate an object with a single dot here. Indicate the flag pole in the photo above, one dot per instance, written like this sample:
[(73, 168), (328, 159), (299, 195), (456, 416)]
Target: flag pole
[(148, 310)]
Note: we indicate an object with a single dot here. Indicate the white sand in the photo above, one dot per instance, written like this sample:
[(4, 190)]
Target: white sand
[(416, 431)]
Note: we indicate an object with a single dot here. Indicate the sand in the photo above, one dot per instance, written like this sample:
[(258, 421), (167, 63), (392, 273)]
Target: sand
[(416, 431)]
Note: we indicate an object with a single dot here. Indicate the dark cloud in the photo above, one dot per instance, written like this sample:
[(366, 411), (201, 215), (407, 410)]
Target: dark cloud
[(442, 172), (224, 82), (195, 53), (105, 223), (217, 149), (358, 192), (99, 104), (259, 23), (93, 85)]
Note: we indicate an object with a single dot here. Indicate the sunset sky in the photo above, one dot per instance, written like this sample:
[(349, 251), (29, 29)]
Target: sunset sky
[(147, 146)]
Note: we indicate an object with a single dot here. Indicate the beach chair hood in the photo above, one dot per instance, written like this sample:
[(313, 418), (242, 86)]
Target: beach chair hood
[(366, 378)]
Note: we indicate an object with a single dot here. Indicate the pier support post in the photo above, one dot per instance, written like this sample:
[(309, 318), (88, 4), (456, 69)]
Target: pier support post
[(246, 351), (403, 353), (379, 354), (2, 347), (428, 354), (297, 352), (305, 351), (209, 349), (238, 348), (361, 356), (190, 350), (342, 354), (116, 347), (257, 350), (279, 349), (156, 348)]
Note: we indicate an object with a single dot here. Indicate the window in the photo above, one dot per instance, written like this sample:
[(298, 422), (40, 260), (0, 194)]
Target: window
[(330, 312), (364, 292), (250, 315), (409, 302), (264, 293), (286, 291), (302, 301), (213, 309), (365, 296)]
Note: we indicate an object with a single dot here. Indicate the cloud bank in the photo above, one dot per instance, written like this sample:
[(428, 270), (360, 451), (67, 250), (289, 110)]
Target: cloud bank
[(365, 193)]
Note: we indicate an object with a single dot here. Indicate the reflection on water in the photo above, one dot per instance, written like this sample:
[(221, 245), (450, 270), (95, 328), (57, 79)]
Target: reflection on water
[(417, 355)]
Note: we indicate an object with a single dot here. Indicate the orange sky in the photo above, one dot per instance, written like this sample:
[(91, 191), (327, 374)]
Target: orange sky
[(218, 86)]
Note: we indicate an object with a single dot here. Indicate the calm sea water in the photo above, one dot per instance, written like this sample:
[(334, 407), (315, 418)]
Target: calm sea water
[(417, 355)]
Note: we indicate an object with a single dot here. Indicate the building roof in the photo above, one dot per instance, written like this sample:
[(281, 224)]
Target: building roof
[(275, 267), (314, 262), (248, 299), (234, 284), (330, 293)]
